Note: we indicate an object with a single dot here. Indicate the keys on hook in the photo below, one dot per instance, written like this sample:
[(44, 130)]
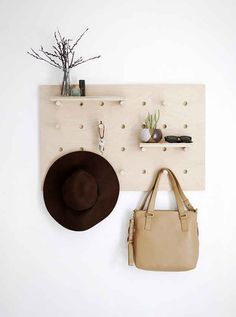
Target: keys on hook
[(101, 133)]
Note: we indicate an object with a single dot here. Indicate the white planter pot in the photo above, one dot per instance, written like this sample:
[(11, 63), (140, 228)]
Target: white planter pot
[(145, 135)]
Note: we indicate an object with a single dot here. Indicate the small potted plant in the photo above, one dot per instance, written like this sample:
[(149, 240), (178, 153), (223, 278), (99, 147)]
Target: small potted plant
[(150, 133)]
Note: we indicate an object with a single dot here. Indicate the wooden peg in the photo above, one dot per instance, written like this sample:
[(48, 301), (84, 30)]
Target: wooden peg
[(58, 103)]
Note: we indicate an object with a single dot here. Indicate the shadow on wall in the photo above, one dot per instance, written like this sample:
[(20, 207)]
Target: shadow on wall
[(120, 253)]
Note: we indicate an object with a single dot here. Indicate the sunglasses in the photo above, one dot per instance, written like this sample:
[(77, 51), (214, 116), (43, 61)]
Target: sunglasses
[(178, 139)]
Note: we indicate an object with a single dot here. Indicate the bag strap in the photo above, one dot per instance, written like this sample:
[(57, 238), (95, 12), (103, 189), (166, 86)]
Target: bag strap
[(179, 202), (130, 242), (152, 189), (184, 198), (186, 202), (146, 198)]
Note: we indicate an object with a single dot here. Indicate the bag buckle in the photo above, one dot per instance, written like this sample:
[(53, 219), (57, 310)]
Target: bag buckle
[(148, 217), (184, 222)]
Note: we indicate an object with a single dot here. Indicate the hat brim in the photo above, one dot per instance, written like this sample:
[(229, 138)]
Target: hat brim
[(108, 190)]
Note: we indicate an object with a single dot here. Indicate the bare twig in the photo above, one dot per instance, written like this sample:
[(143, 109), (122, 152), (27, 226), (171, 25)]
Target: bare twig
[(37, 56), (47, 54), (60, 35), (72, 59), (78, 62), (63, 52), (76, 42)]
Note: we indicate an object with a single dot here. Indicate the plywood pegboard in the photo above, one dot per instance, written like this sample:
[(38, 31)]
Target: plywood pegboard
[(72, 127)]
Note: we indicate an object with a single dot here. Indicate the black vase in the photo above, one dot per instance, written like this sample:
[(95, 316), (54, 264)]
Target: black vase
[(156, 135), (82, 87)]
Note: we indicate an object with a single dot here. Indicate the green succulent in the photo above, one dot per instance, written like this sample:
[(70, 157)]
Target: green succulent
[(152, 120)]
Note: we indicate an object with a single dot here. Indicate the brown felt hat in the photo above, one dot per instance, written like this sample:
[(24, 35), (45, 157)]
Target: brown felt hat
[(80, 189)]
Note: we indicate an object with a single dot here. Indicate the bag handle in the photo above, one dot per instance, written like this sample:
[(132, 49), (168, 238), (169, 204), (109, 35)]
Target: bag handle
[(152, 189), (179, 202), (185, 200), (146, 198)]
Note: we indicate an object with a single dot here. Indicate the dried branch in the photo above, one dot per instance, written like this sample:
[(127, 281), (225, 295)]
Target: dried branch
[(37, 56), (76, 42), (47, 54), (72, 59), (78, 62), (57, 51), (62, 39), (58, 44), (62, 51)]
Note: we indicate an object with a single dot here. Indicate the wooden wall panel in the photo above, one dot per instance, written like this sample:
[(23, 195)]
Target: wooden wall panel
[(60, 129)]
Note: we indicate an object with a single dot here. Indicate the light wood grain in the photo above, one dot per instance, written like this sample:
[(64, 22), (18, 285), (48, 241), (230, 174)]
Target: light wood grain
[(61, 132), (87, 98), (164, 145)]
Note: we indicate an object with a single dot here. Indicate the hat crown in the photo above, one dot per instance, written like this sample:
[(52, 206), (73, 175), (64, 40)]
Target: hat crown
[(80, 190)]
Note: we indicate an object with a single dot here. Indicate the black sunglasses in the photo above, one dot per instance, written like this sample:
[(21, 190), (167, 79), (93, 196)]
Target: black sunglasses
[(178, 139)]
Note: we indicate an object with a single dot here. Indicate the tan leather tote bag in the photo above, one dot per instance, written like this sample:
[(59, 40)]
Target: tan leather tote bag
[(164, 240)]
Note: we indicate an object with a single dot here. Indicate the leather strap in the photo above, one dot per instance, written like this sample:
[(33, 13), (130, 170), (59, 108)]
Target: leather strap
[(179, 202), (186, 202), (179, 196), (142, 207), (148, 220), (184, 198), (130, 242)]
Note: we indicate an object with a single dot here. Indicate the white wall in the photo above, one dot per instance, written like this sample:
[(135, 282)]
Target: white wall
[(46, 270)]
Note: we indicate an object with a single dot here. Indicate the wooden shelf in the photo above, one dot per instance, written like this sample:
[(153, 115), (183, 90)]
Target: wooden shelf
[(60, 99), (164, 145)]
